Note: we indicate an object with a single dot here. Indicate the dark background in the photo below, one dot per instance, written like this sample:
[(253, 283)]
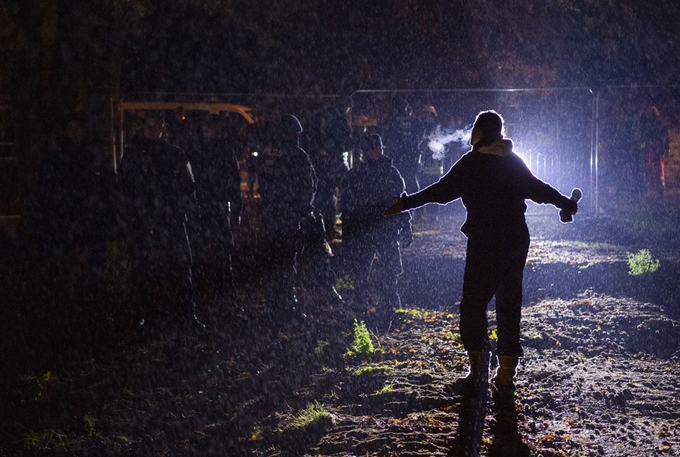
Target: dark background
[(59, 59)]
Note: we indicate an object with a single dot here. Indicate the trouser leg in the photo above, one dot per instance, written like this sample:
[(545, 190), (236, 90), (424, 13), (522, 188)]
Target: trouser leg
[(480, 282), (509, 300), (390, 269), (359, 256)]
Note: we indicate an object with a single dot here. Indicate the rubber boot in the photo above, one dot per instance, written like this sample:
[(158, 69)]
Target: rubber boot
[(504, 377), (479, 367)]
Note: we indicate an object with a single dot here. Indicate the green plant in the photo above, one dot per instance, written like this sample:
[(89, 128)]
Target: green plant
[(387, 388), (409, 312), (45, 440), (344, 283), (89, 424), (362, 340), (313, 414), (320, 346), (370, 368), (641, 263)]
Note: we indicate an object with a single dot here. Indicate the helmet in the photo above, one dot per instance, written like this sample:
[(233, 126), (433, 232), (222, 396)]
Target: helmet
[(290, 125), (400, 106)]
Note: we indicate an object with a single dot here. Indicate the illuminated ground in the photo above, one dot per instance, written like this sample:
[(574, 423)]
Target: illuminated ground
[(601, 375)]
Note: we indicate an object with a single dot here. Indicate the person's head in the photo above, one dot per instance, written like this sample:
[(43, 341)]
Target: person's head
[(372, 147), (74, 131), (212, 126), (154, 125), (488, 127), (346, 104), (400, 107), (290, 129)]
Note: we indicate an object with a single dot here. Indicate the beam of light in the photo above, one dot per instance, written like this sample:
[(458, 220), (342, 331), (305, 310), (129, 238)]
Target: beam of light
[(441, 136)]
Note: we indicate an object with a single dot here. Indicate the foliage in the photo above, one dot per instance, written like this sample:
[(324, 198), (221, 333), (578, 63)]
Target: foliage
[(387, 389), (362, 340), (370, 368), (314, 414), (344, 283), (409, 312), (641, 263), (493, 335), (90, 422), (320, 346), (45, 440)]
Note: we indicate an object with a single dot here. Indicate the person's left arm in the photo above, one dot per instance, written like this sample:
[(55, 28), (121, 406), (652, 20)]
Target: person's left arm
[(541, 192)]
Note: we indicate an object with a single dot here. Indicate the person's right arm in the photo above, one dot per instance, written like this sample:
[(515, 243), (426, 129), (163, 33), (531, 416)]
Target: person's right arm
[(447, 189)]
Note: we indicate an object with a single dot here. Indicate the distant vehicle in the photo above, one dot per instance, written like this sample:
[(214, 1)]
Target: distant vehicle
[(183, 112), (178, 108), (209, 107)]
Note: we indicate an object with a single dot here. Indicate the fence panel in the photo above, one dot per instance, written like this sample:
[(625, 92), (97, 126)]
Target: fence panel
[(553, 129), (638, 143)]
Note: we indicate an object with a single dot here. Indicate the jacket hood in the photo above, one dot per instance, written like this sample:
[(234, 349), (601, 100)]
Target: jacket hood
[(501, 147)]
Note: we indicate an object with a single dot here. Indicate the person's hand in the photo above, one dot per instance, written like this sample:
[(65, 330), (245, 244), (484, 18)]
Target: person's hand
[(571, 207), (396, 208)]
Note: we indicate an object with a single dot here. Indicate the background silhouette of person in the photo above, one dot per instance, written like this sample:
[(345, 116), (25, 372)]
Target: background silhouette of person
[(214, 162), (158, 205), (402, 135), (368, 188)]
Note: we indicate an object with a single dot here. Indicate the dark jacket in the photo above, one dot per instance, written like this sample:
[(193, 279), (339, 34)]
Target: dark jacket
[(158, 191), (76, 195), (287, 184), (402, 136), (368, 189), (493, 183), (218, 182)]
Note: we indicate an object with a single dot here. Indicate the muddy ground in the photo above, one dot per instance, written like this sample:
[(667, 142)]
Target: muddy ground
[(600, 376)]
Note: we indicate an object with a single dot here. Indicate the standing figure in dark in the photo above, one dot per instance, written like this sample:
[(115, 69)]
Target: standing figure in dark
[(402, 135), (331, 139), (493, 183), (76, 199), (215, 166), (158, 214), (367, 190), (653, 144), (287, 186)]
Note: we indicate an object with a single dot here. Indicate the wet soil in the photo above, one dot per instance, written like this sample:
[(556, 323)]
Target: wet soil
[(600, 376)]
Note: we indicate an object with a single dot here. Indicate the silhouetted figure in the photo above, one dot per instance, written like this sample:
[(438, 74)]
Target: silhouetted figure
[(214, 163), (402, 135), (493, 183), (286, 185), (368, 189), (653, 144), (76, 186), (158, 214), (432, 152), (76, 208), (330, 139)]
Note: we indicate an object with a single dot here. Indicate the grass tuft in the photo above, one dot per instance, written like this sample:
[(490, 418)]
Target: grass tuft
[(362, 340), (641, 263), (314, 414)]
